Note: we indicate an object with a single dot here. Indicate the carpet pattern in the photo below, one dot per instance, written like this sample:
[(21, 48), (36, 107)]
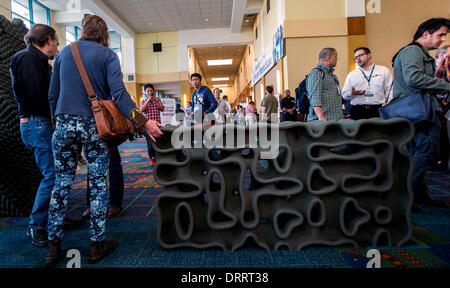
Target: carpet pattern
[(136, 230)]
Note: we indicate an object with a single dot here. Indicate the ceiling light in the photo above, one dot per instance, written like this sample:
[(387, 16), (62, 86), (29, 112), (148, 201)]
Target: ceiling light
[(220, 85), (221, 79), (206, 19), (149, 23), (248, 21), (220, 62)]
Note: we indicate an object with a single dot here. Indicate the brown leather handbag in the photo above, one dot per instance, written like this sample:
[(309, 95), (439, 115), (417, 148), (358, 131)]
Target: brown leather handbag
[(112, 126)]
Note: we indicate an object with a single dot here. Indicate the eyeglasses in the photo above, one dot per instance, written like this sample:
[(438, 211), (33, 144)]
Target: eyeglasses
[(359, 56)]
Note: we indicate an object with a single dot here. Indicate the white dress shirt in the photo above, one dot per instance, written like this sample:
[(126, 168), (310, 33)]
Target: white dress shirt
[(380, 85), (220, 111)]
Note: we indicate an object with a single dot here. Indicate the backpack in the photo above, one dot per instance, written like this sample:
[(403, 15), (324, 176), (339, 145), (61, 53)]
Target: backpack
[(301, 95)]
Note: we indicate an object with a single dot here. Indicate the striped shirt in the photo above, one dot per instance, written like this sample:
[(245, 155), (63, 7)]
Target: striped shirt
[(323, 91), (152, 111)]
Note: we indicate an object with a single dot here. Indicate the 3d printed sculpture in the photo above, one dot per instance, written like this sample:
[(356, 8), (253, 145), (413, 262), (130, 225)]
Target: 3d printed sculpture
[(332, 183)]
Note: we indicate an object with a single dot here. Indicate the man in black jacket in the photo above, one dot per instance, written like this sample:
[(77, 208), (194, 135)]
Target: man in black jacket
[(30, 75)]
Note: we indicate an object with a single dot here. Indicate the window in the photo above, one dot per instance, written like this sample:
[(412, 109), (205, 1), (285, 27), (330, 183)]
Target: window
[(30, 12), (115, 42), (72, 34)]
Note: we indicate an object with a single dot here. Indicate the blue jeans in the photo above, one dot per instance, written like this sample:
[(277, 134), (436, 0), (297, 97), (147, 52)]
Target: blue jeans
[(37, 136), (424, 150), (116, 183), (151, 153)]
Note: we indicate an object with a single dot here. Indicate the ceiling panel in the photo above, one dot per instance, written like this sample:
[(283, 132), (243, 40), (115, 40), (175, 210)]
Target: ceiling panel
[(172, 15), (235, 52)]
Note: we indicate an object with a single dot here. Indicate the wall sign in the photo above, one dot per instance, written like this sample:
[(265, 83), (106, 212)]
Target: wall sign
[(270, 58)]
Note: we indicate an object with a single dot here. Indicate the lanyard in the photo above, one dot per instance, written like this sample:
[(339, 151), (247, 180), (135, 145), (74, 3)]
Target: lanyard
[(371, 73)]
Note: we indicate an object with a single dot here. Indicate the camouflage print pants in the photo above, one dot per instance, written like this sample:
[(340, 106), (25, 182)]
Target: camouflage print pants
[(71, 135)]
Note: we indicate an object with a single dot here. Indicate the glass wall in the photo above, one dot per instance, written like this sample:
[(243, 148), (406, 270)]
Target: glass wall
[(30, 12)]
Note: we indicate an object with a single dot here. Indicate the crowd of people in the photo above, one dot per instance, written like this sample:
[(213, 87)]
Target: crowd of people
[(57, 123)]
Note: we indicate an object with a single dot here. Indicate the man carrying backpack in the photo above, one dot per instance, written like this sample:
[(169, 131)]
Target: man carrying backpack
[(323, 90)]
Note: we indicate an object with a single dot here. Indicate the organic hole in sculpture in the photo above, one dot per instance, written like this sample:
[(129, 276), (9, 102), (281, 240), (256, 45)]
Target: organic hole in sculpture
[(284, 184), (284, 219), (185, 187), (249, 216), (218, 216), (316, 213), (379, 180), (282, 156), (184, 219), (351, 216), (247, 153), (181, 155), (383, 239), (383, 215), (379, 148), (214, 183)]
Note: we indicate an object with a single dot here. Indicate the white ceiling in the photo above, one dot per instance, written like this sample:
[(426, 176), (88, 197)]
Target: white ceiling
[(203, 54), (56, 5), (172, 15)]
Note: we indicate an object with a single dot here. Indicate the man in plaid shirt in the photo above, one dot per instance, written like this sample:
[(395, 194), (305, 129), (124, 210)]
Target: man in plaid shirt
[(151, 108), (323, 89)]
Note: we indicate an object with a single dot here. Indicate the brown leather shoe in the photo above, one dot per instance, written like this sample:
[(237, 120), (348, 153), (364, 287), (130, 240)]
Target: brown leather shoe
[(113, 212), (100, 249), (86, 213), (54, 253)]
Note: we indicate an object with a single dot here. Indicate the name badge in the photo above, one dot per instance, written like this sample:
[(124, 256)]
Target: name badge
[(368, 92)]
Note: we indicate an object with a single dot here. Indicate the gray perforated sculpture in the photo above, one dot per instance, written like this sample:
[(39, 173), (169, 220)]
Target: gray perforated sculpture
[(313, 192), (19, 174)]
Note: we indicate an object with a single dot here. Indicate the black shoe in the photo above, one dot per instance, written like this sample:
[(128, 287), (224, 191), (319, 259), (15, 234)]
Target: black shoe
[(38, 237), (71, 224), (101, 249), (54, 253)]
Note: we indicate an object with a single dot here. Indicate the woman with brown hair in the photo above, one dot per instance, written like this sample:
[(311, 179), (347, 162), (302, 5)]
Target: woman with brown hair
[(76, 129)]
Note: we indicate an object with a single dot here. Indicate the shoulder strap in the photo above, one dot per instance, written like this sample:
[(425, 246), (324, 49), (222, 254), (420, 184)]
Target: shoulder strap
[(320, 69), (82, 70)]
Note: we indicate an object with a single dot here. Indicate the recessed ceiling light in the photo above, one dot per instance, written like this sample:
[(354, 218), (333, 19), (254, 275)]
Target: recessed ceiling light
[(220, 62), (248, 21), (221, 79), (149, 23), (220, 85), (206, 19)]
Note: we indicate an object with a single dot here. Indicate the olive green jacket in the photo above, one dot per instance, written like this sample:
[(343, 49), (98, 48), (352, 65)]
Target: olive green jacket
[(414, 71)]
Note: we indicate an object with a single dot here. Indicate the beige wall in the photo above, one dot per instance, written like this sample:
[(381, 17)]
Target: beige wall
[(149, 62), (303, 55), (5, 8), (395, 26), (313, 9), (244, 76), (271, 21), (60, 31)]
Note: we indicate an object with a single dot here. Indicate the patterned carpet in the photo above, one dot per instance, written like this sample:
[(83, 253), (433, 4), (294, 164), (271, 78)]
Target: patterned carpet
[(136, 229)]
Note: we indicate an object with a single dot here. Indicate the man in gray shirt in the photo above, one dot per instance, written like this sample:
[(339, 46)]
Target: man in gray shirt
[(269, 106), (414, 71)]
